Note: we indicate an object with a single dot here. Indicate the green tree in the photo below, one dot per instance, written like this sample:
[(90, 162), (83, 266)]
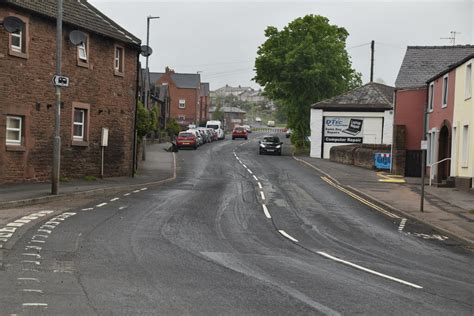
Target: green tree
[(143, 120), (304, 63), (172, 127), (218, 115)]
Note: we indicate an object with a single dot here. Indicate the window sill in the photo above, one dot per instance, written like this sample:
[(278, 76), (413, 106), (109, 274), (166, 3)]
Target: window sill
[(11, 147), (118, 73), (18, 54), (83, 64), (443, 106), (467, 98), (80, 143)]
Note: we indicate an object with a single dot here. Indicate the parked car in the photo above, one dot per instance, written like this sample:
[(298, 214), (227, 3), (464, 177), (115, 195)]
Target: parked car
[(270, 144), (187, 139), (217, 126), (271, 123), (199, 138), (248, 128), (288, 133), (239, 132)]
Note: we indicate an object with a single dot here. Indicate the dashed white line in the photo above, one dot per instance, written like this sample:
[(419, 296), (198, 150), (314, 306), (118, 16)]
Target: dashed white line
[(40, 236), (32, 290), (34, 305), (143, 189), (265, 210), (260, 185), (244, 166), (256, 179), (368, 270), (33, 247), (122, 207), (31, 261), (250, 171), (32, 255), (88, 209), (287, 236), (126, 194), (262, 195), (114, 199), (47, 231), (38, 241), (136, 191), (101, 204), (28, 279), (402, 224)]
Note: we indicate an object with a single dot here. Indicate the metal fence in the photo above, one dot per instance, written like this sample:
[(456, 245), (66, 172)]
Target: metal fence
[(270, 130)]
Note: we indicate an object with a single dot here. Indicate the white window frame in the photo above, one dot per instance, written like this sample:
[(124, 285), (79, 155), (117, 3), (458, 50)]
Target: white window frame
[(182, 103), (430, 96), (18, 49), (82, 51), (15, 142), (468, 88), (82, 124), (444, 94), (465, 146), (119, 59)]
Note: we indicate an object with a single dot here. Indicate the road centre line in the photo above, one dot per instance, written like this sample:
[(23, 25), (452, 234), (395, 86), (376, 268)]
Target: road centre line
[(262, 195), (34, 305), (126, 194), (114, 199), (88, 209), (287, 236), (28, 279), (368, 270), (101, 204), (265, 210), (256, 179), (250, 171), (143, 189), (32, 290), (244, 166), (259, 185), (136, 191)]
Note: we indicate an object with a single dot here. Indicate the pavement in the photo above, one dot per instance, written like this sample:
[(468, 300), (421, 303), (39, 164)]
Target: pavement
[(158, 167), (447, 210)]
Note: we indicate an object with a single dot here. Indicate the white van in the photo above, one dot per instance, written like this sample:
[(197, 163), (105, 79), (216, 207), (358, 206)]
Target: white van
[(217, 125)]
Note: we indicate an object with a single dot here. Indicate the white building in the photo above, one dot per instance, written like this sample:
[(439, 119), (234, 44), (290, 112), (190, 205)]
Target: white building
[(360, 116)]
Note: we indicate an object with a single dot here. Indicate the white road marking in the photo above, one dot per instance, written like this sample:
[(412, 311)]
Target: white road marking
[(14, 224), (368, 270), (143, 189), (244, 166), (30, 270), (114, 199), (101, 204), (122, 207), (126, 194), (256, 179), (41, 236), (24, 221), (32, 290), (28, 279), (402, 224), (287, 236), (88, 209), (37, 241), (262, 195), (265, 210), (52, 223), (47, 231), (31, 261), (48, 226), (34, 305), (260, 185), (250, 171), (33, 247), (32, 255), (136, 191)]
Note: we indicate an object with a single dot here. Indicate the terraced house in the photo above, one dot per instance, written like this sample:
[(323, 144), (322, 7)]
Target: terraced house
[(102, 92)]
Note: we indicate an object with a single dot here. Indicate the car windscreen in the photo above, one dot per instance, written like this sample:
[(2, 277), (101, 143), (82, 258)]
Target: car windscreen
[(271, 139), (240, 129), (213, 126), (185, 135)]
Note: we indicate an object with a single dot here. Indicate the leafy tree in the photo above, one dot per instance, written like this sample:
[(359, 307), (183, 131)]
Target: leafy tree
[(143, 120), (302, 64), (172, 127), (154, 118), (218, 114)]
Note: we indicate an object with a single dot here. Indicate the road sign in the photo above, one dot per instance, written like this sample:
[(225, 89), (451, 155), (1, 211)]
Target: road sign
[(382, 160), (61, 81), (424, 145)]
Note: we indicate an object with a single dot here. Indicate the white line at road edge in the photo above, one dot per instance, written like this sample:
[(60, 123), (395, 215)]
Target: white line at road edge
[(287, 236), (256, 179), (368, 270), (265, 210), (101, 204), (259, 185), (262, 195), (35, 304)]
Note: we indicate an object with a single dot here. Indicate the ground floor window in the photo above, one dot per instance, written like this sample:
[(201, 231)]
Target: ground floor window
[(14, 130), (465, 146), (79, 124)]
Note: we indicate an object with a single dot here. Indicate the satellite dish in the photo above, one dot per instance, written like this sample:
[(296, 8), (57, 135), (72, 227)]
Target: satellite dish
[(12, 24), (146, 50), (77, 37)]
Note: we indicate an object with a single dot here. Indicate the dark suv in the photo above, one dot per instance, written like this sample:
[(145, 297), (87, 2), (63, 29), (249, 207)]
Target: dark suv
[(270, 144)]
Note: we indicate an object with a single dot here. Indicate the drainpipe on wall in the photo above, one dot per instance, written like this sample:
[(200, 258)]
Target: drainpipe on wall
[(134, 150), (393, 130)]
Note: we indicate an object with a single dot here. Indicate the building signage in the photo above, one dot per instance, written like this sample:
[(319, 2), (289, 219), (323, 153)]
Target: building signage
[(382, 161), (343, 130)]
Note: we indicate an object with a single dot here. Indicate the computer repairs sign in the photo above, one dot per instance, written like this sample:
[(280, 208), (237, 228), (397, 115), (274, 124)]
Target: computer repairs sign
[(343, 130)]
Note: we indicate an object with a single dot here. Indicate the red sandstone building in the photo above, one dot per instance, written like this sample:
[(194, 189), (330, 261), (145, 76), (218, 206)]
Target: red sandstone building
[(419, 65), (102, 92), (189, 98)]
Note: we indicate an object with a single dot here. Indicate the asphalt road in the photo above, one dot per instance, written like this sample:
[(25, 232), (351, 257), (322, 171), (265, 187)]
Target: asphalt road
[(206, 245)]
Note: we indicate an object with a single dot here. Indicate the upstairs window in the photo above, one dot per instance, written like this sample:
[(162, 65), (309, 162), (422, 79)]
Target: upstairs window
[(430, 96), (468, 88), (14, 130), (119, 60), (182, 104), (444, 102), (83, 53), (19, 40)]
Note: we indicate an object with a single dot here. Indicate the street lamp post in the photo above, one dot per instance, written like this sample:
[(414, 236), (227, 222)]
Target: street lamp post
[(147, 81)]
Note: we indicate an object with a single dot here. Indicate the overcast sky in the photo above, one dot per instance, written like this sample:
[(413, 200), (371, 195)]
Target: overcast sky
[(220, 38)]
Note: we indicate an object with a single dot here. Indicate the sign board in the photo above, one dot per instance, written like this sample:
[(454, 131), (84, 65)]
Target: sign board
[(424, 145), (104, 140), (61, 81), (343, 130), (382, 161)]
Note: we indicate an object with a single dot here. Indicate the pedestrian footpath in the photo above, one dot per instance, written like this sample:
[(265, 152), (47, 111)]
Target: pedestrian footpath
[(158, 167), (447, 210)]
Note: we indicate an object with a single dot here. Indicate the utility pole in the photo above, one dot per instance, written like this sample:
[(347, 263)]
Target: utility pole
[(147, 81), (57, 119), (372, 46)]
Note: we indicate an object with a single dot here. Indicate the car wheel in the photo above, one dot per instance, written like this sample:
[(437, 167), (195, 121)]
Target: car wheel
[(195, 147), (260, 152), (246, 138), (279, 153)]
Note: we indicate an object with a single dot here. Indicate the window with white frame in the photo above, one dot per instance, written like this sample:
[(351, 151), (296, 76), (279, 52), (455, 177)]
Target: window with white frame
[(17, 40), (79, 124), (465, 146), (430, 96), (14, 130), (182, 103), (444, 99), (430, 152), (468, 88), (82, 51), (181, 117), (118, 60)]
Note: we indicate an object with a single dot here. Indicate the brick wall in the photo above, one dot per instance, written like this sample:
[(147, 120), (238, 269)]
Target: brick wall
[(26, 90), (357, 155)]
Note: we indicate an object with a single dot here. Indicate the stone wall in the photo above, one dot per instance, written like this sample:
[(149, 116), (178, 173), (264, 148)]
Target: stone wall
[(358, 155)]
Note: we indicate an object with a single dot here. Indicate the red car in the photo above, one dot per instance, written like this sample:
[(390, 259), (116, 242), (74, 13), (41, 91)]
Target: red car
[(186, 139), (239, 132)]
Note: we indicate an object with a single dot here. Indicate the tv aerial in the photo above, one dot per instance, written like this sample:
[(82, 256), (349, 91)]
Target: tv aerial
[(12, 24)]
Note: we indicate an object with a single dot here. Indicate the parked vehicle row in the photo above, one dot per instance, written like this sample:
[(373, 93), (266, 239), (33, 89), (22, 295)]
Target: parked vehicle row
[(195, 137)]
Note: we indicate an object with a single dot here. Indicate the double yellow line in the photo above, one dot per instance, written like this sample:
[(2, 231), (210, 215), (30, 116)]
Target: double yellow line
[(360, 199)]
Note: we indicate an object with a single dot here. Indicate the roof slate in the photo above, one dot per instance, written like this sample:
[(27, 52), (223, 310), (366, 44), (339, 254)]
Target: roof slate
[(79, 13), (370, 96), (183, 81), (423, 62)]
